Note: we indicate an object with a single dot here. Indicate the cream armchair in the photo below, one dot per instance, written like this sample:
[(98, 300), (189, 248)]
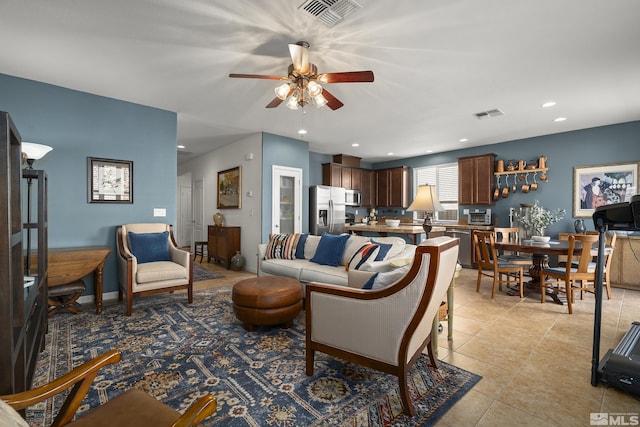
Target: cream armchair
[(385, 329), (157, 266)]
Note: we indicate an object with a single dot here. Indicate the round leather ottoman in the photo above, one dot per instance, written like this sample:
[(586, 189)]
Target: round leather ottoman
[(267, 300)]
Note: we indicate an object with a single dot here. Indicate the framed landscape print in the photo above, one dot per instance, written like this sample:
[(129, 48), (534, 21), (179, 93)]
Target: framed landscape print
[(230, 188), (109, 181), (600, 185)]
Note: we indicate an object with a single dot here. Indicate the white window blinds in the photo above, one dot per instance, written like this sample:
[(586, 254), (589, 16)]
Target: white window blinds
[(445, 178)]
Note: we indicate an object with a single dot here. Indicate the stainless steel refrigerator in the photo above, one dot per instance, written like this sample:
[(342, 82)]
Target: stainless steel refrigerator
[(328, 210)]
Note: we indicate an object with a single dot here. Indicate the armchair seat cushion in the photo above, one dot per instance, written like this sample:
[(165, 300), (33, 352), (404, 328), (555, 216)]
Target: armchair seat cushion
[(160, 270)]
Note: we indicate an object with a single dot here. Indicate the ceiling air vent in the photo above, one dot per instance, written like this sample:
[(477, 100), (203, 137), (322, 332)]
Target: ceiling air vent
[(330, 12), (489, 113)]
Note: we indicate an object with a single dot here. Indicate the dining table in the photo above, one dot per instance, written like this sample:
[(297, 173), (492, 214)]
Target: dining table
[(540, 253)]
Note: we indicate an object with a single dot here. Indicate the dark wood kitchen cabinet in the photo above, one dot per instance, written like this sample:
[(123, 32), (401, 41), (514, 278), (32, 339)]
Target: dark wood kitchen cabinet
[(393, 187), (369, 188), (223, 244), (475, 179)]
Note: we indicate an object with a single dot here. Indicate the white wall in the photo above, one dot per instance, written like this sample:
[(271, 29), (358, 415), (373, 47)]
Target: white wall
[(249, 216)]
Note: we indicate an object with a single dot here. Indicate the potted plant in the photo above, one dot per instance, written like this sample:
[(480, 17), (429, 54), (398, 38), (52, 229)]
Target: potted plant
[(539, 218)]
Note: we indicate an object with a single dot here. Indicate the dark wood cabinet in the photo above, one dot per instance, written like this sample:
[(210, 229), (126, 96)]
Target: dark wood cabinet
[(223, 243), (23, 292), (356, 179), (393, 187), (369, 188), (475, 179), (332, 174)]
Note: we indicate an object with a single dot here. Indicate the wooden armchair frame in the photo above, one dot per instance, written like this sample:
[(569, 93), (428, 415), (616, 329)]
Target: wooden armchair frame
[(80, 380), (424, 285)]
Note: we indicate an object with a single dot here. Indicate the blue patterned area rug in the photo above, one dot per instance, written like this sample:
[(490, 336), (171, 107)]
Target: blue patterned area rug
[(202, 273), (179, 352)]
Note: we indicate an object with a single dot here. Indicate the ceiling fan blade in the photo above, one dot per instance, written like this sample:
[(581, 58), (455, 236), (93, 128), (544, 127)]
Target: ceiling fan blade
[(257, 76), (300, 56), (346, 77), (332, 102), (273, 104)]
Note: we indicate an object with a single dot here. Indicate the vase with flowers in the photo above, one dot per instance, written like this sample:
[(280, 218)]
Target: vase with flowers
[(538, 218)]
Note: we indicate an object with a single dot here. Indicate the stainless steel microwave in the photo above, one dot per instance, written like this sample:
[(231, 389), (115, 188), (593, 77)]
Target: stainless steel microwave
[(352, 198), (479, 217)]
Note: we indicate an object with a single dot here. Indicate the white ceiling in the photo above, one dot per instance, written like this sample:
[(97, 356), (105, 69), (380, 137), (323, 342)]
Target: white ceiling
[(436, 63)]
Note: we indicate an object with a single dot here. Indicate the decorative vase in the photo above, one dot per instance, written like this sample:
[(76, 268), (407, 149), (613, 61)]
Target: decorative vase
[(237, 261), (579, 226), (218, 219)]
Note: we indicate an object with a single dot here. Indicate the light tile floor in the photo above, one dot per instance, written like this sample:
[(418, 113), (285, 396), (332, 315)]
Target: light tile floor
[(535, 359)]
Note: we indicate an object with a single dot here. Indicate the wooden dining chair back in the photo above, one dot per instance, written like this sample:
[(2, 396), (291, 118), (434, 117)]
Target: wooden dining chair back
[(610, 245), (490, 266), (511, 235), (576, 274)]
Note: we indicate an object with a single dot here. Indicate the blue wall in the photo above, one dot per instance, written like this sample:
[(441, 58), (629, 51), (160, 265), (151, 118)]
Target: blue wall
[(283, 151), (595, 146), (79, 125)]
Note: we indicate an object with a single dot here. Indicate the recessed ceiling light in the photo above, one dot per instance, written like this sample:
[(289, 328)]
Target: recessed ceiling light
[(181, 146), (355, 144), (548, 104), (302, 132), (463, 139), (429, 151), (560, 119), (389, 154)]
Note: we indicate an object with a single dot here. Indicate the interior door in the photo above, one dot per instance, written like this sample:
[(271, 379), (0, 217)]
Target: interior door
[(286, 212), (186, 236), (199, 232)]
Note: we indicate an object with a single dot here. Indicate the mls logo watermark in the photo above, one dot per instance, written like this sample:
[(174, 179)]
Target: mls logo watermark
[(614, 419)]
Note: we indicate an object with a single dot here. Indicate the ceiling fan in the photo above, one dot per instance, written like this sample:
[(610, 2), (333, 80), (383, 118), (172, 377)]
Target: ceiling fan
[(303, 83)]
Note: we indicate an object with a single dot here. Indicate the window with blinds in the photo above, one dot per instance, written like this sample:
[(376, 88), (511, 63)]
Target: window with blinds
[(445, 178)]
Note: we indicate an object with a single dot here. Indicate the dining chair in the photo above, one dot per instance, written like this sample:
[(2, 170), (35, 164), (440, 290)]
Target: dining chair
[(573, 276), (489, 265), (506, 235)]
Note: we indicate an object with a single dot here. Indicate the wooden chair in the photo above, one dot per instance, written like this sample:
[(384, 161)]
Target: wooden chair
[(152, 264), (572, 276), (489, 265), (133, 408), (385, 329), (506, 235)]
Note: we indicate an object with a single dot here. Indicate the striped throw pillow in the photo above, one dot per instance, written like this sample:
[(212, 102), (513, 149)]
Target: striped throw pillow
[(282, 246), (366, 252)]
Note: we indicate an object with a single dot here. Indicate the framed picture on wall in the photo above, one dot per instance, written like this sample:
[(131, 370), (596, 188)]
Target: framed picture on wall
[(230, 188), (600, 185), (109, 181)]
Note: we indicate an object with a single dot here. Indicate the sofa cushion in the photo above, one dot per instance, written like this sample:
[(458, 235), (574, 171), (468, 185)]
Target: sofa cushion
[(330, 249), (385, 278), (282, 267), (160, 270), (398, 245), (367, 252), (282, 246), (353, 244), (149, 247), (324, 274)]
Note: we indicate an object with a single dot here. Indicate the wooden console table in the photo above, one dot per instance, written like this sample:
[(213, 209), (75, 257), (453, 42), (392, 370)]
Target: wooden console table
[(66, 265)]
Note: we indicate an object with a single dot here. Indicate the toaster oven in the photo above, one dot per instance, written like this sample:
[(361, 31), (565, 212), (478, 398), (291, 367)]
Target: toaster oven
[(479, 217)]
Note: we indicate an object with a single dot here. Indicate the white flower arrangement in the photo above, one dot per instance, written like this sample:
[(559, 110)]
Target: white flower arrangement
[(539, 218)]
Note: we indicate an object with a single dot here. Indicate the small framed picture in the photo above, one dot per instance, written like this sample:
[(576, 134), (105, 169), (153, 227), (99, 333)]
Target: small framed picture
[(229, 188), (600, 185), (109, 181)]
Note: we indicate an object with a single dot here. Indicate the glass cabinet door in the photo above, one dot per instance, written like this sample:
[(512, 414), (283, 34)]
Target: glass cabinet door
[(287, 200)]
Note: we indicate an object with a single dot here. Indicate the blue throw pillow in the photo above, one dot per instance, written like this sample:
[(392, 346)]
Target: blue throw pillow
[(330, 249), (300, 247), (384, 250), (149, 247), (369, 283)]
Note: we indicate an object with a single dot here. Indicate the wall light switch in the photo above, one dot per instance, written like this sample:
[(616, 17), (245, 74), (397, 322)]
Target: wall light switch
[(159, 212)]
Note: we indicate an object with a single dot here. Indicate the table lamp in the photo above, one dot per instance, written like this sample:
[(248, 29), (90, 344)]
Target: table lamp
[(426, 200)]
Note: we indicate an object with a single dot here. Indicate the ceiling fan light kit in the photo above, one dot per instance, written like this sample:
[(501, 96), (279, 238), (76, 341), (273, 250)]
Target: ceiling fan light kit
[(303, 83)]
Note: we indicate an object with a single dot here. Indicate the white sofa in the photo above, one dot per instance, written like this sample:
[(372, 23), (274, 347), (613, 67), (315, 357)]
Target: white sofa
[(304, 270)]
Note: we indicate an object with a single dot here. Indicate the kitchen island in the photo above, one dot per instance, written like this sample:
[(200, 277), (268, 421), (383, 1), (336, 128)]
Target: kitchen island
[(411, 229)]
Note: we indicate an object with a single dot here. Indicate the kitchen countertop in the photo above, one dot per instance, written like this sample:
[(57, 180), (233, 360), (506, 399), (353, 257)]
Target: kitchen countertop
[(407, 228), (465, 227)]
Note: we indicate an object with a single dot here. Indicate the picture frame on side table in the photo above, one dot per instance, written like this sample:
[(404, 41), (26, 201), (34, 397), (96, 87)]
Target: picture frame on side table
[(230, 188), (109, 180), (599, 185)]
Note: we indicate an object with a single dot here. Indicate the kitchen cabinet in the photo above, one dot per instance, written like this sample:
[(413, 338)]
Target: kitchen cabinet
[(332, 174), (223, 243), (475, 179), (369, 188), (393, 187), (625, 269)]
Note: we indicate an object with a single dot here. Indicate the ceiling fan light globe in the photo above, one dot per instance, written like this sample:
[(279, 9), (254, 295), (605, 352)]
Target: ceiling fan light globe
[(282, 91), (314, 89), (292, 103), (319, 100)]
